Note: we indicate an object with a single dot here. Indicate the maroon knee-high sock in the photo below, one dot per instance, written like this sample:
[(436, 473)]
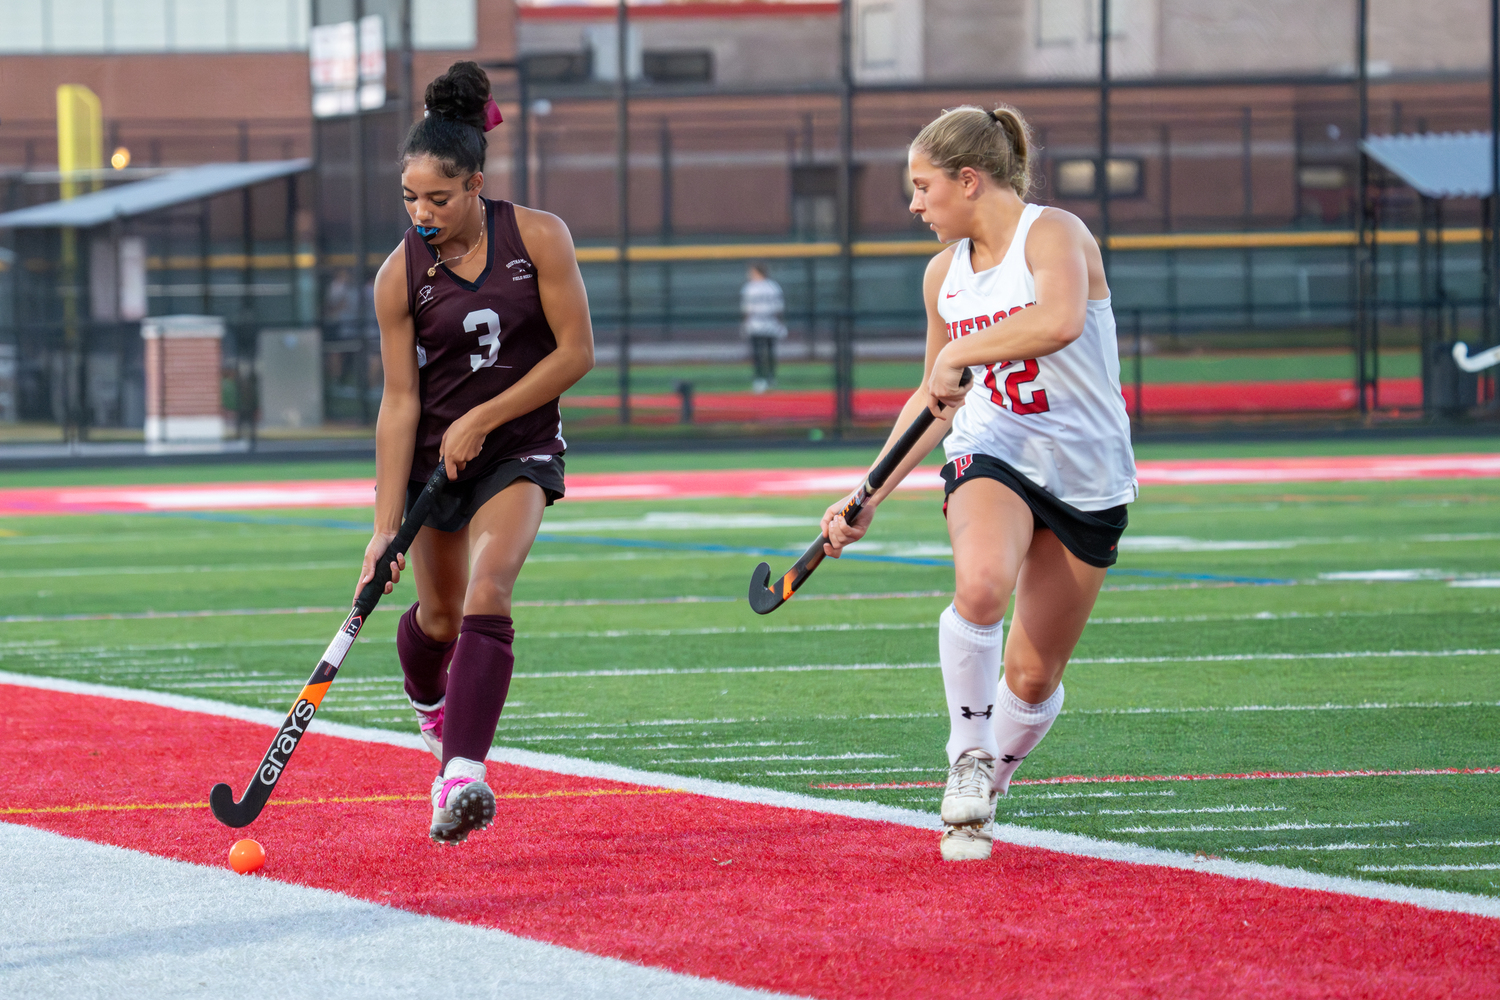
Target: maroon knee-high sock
[(424, 660), (478, 681)]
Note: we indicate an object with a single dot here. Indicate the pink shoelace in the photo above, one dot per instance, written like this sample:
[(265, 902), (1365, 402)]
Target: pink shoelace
[(432, 722), (448, 786)]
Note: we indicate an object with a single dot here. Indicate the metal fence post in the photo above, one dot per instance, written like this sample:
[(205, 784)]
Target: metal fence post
[(843, 364), (622, 194)]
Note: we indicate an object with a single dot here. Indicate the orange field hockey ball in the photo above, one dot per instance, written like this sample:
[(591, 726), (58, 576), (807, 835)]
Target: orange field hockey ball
[(247, 856)]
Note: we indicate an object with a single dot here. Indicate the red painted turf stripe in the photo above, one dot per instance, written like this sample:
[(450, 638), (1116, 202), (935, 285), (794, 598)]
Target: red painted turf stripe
[(1078, 779), (724, 483), (808, 903)]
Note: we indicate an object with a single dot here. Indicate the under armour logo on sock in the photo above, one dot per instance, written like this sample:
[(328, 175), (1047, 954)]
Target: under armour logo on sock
[(969, 713), (1011, 759)]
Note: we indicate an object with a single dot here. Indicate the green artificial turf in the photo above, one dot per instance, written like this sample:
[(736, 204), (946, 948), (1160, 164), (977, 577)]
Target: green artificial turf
[(1219, 646), (1194, 366)]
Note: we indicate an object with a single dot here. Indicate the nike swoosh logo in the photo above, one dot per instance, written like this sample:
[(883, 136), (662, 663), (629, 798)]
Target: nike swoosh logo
[(951, 294)]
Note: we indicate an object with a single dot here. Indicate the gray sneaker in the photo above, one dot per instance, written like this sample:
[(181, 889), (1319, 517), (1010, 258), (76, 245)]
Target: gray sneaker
[(430, 725), (461, 802), (970, 795), (968, 843)]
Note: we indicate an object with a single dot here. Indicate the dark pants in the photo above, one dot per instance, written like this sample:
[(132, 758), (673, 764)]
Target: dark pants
[(763, 353)]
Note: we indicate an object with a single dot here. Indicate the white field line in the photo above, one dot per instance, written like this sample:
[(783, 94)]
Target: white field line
[(1350, 846), (779, 756), (579, 738), (1065, 843), (1429, 868), (1249, 829), (1108, 660), (1126, 620), (265, 567), (91, 920), (148, 615), (632, 633), (725, 746), (1151, 812), (813, 772), (1204, 809), (94, 541), (1363, 706), (687, 671), (578, 603), (1017, 796), (1242, 657)]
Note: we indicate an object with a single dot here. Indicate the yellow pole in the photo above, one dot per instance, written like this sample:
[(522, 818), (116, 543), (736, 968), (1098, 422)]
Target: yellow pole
[(80, 147)]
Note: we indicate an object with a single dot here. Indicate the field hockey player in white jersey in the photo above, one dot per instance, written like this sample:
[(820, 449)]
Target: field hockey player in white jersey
[(1039, 462)]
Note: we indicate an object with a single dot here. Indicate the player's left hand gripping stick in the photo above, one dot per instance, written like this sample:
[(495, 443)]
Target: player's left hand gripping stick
[(766, 597), (243, 812)]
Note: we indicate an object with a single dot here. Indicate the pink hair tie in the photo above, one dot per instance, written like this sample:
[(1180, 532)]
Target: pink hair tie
[(491, 114)]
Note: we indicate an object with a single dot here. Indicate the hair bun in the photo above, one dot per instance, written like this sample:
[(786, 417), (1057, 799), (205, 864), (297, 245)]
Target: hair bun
[(460, 94)]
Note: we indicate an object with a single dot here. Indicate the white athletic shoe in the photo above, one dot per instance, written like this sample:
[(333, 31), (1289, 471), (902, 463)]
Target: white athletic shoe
[(430, 725), (971, 842), (970, 795), (461, 802)]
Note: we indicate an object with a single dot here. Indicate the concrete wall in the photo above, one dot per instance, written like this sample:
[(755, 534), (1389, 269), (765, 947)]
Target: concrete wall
[(799, 48), (973, 39), (1318, 36)]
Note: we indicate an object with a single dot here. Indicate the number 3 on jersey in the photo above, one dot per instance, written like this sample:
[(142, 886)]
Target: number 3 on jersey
[(488, 319), (1033, 401)]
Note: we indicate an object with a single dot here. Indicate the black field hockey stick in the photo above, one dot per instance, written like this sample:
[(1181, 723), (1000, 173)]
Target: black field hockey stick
[(243, 812), (764, 598)]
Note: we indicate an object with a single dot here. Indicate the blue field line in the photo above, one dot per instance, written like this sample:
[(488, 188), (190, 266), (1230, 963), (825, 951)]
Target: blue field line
[(643, 543), (1256, 581), (229, 517)]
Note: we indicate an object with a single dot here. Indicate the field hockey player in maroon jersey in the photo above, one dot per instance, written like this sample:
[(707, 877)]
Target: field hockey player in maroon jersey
[(484, 323)]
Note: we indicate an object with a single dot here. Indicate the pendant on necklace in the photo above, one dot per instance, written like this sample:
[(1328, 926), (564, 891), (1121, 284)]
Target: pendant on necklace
[(432, 271)]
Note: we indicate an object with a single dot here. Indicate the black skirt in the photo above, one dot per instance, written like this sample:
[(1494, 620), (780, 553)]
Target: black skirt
[(1091, 535), (460, 501)]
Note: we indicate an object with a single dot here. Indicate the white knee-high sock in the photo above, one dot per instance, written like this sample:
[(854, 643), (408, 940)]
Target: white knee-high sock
[(1019, 726), (971, 656)]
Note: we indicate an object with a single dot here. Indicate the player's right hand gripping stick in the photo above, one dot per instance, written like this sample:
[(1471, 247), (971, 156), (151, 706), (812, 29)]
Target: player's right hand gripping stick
[(766, 597)]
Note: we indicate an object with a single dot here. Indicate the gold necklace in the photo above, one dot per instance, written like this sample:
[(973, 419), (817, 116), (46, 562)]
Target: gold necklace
[(432, 271)]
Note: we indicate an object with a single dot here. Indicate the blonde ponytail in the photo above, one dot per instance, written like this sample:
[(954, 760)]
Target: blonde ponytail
[(995, 142)]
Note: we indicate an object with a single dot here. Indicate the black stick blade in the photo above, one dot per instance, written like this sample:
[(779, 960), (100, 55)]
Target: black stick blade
[(763, 600), (232, 813)]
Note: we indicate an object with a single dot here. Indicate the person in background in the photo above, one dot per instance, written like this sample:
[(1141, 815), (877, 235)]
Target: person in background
[(761, 303)]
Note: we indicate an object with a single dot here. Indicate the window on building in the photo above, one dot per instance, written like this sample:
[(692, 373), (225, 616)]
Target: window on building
[(560, 67), (443, 24), (126, 26), (1065, 22), (678, 66), (1075, 178), (1323, 177), (815, 206), (1120, 14), (877, 36), (1059, 22)]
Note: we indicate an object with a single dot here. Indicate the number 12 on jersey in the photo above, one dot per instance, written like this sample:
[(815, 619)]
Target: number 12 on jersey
[(1019, 395)]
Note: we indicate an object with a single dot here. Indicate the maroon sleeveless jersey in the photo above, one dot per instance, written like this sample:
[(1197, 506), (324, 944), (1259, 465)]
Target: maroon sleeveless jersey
[(474, 341)]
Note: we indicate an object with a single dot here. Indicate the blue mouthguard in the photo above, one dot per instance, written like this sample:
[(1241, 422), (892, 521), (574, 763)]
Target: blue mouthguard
[(427, 231)]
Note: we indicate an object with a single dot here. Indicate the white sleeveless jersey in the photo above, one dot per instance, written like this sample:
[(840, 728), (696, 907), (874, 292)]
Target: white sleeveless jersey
[(1059, 420)]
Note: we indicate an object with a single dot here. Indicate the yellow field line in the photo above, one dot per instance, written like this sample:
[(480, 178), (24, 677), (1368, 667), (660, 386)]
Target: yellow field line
[(335, 800), (862, 248)]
